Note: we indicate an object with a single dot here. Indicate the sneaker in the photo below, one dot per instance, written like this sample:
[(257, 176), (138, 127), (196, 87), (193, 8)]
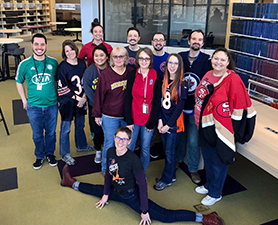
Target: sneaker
[(69, 160), (210, 200), (51, 160), (195, 177), (153, 153), (160, 186), (159, 178), (67, 180), (98, 157), (212, 219), (88, 148), (38, 164), (201, 190), (92, 136)]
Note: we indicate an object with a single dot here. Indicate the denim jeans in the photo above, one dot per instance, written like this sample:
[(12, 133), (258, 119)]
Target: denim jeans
[(145, 144), (189, 140), (43, 122), (169, 141), (79, 134), (109, 126), (133, 201), (216, 172)]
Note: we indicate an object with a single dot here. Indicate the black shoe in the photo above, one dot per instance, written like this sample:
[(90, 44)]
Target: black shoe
[(153, 152), (38, 164), (51, 160)]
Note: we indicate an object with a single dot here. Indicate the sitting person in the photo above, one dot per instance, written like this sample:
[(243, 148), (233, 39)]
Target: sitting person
[(125, 172)]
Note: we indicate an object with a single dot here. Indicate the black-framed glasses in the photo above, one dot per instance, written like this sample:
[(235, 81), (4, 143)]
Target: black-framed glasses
[(118, 56), (121, 139), (144, 59)]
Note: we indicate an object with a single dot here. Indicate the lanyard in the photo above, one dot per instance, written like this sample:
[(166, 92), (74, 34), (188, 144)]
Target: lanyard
[(145, 88), (99, 70), (38, 77)]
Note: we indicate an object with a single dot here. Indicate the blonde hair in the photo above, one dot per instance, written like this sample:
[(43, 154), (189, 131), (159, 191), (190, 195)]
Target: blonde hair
[(118, 49)]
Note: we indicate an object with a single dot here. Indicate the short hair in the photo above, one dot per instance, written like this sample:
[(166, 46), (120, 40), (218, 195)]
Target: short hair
[(231, 65), (133, 28), (38, 35), (72, 45), (149, 52), (94, 24), (159, 33), (102, 48), (118, 49), (125, 130), (198, 31)]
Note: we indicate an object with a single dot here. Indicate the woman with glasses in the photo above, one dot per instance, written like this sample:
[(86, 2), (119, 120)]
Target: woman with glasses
[(125, 181), (170, 123), (142, 102), (108, 108)]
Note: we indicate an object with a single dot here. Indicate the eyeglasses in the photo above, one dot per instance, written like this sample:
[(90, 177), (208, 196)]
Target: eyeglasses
[(158, 40), (144, 59), (118, 56), (121, 139), (173, 63)]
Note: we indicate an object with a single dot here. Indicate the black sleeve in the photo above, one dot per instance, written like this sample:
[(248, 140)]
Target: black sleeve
[(156, 103), (143, 190), (128, 97)]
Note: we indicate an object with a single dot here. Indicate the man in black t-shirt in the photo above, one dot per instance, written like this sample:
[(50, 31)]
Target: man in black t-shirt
[(133, 37)]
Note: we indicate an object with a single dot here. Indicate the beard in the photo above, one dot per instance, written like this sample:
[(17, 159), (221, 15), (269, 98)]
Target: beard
[(41, 54), (195, 47), (158, 49)]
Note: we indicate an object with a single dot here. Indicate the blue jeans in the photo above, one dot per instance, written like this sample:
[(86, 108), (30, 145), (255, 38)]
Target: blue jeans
[(189, 140), (43, 122), (79, 134), (133, 201), (216, 172), (169, 141), (109, 126), (145, 144)]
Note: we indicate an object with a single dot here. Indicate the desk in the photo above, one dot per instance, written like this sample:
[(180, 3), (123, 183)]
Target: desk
[(60, 27), (10, 31), (76, 30), (5, 42)]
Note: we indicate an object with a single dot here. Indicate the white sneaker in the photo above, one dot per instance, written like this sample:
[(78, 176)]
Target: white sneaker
[(69, 160), (98, 157), (201, 190), (210, 200)]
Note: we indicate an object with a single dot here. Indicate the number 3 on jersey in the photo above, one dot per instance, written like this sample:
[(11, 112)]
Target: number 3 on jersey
[(78, 84), (166, 103)]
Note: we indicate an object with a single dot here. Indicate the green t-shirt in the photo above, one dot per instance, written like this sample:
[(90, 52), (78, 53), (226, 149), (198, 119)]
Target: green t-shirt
[(40, 80)]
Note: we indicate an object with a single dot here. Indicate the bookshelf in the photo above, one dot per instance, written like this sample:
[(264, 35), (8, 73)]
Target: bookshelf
[(23, 13), (252, 38)]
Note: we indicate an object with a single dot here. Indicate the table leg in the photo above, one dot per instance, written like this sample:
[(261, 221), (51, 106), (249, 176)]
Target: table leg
[(77, 39)]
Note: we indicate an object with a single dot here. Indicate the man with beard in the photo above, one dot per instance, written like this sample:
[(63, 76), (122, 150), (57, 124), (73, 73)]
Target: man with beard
[(159, 55), (196, 64), (39, 73), (133, 37)]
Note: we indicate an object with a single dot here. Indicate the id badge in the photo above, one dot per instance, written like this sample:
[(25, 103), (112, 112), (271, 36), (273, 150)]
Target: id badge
[(145, 108), (39, 87)]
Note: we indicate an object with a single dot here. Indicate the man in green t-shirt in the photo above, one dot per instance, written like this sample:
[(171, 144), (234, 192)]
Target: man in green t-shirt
[(42, 109)]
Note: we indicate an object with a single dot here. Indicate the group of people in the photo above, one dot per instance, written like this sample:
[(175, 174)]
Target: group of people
[(191, 99)]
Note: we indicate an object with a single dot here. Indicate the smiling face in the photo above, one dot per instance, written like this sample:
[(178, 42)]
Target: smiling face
[(121, 141), (133, 37), (98, 33), (70, 53), (144, 60), (100, 58), (219, 62), (158, 42), (173, 65), (119, 58), (196, 41), (39, 47)]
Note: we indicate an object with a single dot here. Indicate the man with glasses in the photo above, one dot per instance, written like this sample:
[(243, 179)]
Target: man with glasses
[(196, 64), (133, 37)]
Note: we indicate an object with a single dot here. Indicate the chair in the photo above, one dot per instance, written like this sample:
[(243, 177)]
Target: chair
[(4, 121), (17, 54), (184, 43), (186, 32), (173, 42)]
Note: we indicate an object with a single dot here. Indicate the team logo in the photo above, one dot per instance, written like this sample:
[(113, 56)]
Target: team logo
[(192, 81), (50, 67), (202, 92), (162, 66), (32, 68), (131, 60), (151, 81), (43, 80), (223, 109)]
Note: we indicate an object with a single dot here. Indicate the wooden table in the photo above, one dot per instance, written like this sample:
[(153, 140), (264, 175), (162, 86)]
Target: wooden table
[(5, 42), (262, 149), (10, 31), (76, 30), (60, 27)]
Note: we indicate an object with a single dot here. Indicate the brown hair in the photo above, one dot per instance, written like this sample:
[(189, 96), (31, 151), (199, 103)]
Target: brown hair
[(149, 52), (125, 130), (231, 65), (72, 45), (94, 24)]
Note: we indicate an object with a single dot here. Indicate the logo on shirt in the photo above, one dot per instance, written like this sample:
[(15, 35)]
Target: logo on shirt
[(43, 80), (192, 81), (162, 66), (50, 67), (202, 92), (32, 68), (119, 84), (223, 109), (114, 171), (131, 60)]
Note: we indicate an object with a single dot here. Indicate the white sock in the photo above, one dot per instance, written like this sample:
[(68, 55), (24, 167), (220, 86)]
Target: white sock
[(75, 185), (199, 217)]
